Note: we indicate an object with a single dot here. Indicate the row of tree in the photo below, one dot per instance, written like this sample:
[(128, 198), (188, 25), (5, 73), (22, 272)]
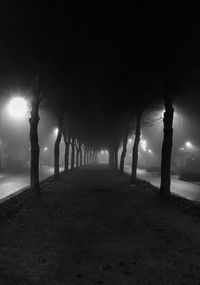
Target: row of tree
[(82, 153), (134, 120)]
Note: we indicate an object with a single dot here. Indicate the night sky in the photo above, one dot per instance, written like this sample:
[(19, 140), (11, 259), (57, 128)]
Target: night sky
[(103, 55)]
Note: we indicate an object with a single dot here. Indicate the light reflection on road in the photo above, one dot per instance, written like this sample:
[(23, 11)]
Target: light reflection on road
[(189, 190), (11, 184)]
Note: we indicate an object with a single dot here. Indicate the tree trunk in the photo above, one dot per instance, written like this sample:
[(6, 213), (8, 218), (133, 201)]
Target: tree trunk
[(67, 144), (167, 146), (116, 156), (85, 157), (77, 157), (80, 151), (35, 149), (135, 146), (73, 153), (57, 145), (123, 154), (67, 156)]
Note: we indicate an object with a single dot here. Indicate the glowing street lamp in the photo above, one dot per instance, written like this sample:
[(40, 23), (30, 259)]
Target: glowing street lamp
[(17, 107), (188, 144), (56, 131)]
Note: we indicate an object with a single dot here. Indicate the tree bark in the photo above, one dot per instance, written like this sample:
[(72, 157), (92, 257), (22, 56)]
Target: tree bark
[(67, 144), (123, 154), (57, 145), (81, 157), (77, 156), (167, 146), (66, 156), (136, 145), (85, 157), (35, 149), (73, 152), (116, 156)]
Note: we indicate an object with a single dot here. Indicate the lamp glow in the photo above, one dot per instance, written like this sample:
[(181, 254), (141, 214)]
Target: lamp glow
[(17, 107), (188, 144), (56, 131)]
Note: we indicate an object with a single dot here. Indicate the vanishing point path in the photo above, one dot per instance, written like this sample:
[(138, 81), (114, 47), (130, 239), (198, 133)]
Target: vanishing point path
[(92, 227)]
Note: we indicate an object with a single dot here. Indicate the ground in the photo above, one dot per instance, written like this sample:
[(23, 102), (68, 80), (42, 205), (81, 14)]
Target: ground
[(92, 227)]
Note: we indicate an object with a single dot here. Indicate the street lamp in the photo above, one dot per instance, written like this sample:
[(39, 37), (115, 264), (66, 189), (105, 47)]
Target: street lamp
[(17, 107), (56, 131), (188, 144)]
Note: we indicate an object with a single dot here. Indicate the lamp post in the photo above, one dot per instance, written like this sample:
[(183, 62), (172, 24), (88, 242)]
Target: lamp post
[(187, 146), (17, 108)]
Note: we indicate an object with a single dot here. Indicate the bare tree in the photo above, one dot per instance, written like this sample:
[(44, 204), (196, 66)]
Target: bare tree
[(67, 138), (127, 128), (35, 149), (167, 144), (77, 152), (72, 151), (136, 144), (60, 117)]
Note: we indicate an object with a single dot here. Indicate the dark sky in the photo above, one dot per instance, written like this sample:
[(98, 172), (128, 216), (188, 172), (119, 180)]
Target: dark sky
[(107, 50)]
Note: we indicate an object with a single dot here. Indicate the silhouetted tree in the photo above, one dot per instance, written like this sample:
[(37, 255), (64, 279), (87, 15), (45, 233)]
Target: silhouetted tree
[(127, 127), (77, 152), (136, 143), (35, 149), (72, 150), (167, 144), (81, 155), (67, 138), (85, 155), (60, 117)]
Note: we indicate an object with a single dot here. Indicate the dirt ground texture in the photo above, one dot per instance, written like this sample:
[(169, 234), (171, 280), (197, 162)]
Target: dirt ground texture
[(93, 227)]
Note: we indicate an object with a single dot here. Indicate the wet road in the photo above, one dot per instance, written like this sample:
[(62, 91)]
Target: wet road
[(12, 184), (189, 190)]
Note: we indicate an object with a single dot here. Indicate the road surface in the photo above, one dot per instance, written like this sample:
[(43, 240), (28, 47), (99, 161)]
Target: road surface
[(189, 190), (12, 184)]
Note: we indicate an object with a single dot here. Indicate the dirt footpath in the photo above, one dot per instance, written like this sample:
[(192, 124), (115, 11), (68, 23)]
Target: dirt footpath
[(92, 227)]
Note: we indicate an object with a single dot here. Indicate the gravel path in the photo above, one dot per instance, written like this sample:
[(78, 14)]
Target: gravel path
[(92, 227)]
